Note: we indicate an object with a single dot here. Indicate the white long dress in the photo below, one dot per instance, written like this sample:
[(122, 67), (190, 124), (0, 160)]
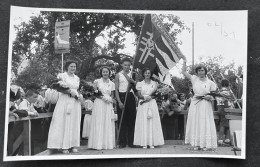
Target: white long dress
[(64, 132), (148, 131), (102, 128), (200, 128)]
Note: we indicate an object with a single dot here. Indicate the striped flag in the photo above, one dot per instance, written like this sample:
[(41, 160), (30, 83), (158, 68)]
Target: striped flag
[(156, 49)]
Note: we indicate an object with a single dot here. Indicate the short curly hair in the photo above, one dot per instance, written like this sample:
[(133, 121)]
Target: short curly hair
[(126, 59), (146, 69), (200, 67), (104, 67), (68, 63)]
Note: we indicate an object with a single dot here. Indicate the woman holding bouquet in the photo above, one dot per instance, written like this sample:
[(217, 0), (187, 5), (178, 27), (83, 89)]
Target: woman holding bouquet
[(102, 128), (200, 128), (148, 129), (64, 132)]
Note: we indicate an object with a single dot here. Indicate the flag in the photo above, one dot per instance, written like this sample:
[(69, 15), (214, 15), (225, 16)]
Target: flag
[(167, 79), (62, 34), (156, 49)]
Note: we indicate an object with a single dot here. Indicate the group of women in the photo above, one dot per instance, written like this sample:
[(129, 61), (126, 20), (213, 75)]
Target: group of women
[(64, 130)]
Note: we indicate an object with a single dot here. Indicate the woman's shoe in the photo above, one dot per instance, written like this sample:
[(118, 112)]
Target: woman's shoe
[(74, 150), (205, 149), (144, 147), (227, 141), (151, 146), (195, 148), (65, 151)]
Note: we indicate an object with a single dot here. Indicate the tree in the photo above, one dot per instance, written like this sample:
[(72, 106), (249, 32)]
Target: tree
[(36, 39), (36, 72)]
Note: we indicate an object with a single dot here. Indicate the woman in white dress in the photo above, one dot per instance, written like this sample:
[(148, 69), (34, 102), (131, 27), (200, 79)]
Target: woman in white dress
[(64, 132), (200, 128), (148, 129), (102, 128)]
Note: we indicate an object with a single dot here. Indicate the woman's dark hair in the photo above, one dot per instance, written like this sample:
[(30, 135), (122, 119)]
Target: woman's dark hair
[(200, 67), (126, 59), (179, 95), (104, 67), (224, 83), (67, 64), (146, 69)]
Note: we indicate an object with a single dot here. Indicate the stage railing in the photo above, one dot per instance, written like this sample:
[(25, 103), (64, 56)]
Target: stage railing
[(25, 136)]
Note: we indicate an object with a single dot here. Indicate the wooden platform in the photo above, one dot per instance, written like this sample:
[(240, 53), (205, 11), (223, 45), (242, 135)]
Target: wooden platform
[(170, 147)]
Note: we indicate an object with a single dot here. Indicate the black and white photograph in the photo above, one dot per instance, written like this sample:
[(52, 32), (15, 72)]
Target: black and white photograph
[(101, 84)]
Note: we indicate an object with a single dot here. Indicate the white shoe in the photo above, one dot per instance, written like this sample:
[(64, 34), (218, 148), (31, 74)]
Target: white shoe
[(65, 151), (144, 147), (74, 150), (151, 146)]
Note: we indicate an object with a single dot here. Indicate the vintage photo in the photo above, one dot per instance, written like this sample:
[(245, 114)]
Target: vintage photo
[(86, 84)]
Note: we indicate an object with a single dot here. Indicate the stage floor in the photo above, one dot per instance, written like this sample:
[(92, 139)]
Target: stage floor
[(170, 147)]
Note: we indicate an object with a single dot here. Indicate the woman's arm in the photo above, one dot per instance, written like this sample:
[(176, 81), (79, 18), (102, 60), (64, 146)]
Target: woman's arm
[(184, 69), (139, 95)]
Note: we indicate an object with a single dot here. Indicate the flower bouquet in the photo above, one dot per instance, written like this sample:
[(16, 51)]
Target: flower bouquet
[(62, 87), (88, 90), (212, 93), (153, 96)]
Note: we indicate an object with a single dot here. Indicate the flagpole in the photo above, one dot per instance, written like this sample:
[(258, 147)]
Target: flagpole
[(62, 62), (192, 45)]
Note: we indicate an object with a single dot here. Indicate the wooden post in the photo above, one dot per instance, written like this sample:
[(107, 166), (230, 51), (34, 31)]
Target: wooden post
[(185, 122), (27, 137)]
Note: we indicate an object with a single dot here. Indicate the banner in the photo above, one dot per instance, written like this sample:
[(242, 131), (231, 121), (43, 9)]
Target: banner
[(156, 49), (62, 35)]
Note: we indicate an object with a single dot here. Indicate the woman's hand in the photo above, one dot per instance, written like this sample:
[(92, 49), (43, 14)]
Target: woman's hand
[(131, 81), (208, 97), (121, 105), (73, 93), (147, 97), (107, 99)]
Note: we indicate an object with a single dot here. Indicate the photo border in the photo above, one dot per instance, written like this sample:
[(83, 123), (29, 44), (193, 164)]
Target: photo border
[(70, 157)]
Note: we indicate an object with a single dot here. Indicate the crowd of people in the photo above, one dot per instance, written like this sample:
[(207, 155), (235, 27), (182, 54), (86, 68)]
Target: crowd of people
[(125, 108)]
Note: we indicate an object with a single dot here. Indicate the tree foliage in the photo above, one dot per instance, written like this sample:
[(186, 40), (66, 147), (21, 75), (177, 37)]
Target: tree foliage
[(215, 68), (37, 35)]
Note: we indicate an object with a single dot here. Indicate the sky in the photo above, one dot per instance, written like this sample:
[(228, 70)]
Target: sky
[(216, 33)]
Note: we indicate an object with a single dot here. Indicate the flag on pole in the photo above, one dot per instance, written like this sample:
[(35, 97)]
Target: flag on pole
[(62, 34), (167, 79), (156, 49)]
